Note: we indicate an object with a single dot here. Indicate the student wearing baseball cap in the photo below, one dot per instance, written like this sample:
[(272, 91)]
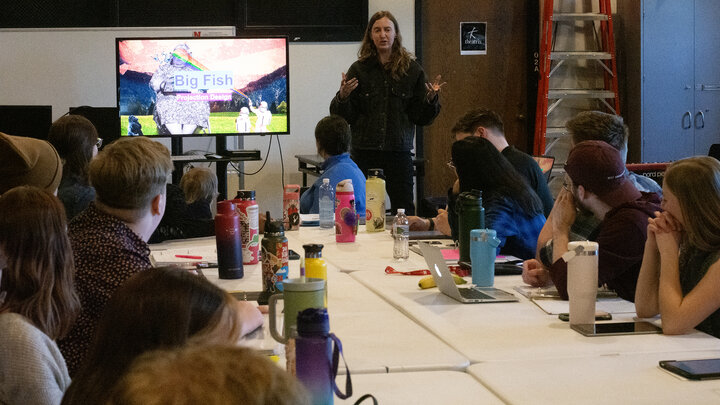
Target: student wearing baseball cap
[(28, 162), (596, 180)]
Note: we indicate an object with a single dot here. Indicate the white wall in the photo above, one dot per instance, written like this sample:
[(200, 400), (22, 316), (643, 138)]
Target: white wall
[(315, 73)]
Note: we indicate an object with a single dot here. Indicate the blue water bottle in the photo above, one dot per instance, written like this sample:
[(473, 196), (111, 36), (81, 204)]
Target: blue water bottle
[(483, 246)]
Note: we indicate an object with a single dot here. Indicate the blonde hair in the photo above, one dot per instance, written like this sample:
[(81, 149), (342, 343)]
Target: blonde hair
[(199, 184), (212, 375), (129, 173), (400, 58), (696, 184)]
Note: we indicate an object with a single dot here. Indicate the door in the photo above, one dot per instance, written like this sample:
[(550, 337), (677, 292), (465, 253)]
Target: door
[(496, 81), (706, 116), (668, 80)]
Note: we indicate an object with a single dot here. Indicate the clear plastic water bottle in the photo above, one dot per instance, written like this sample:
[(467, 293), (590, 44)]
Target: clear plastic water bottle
[(401, 232), (326, 204)]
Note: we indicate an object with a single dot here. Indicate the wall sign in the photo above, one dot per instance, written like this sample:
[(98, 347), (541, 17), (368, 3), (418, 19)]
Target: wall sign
[(472, 38)]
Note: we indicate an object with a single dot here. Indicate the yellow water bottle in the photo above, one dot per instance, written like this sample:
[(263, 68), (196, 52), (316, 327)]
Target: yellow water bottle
[(315, 266), (375, 201)]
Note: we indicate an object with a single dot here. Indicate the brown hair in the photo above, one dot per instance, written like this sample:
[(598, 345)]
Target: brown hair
[(38, 278), (211, 375), (696, 184), (74, 136), (199, 184), (474, 119), (156, 308), (129, 173), (598, 126), (400, 58)]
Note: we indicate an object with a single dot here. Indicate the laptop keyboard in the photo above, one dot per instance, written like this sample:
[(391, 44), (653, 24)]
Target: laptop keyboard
[(471, 293)]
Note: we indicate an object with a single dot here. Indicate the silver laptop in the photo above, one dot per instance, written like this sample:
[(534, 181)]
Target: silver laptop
[(446, 284)]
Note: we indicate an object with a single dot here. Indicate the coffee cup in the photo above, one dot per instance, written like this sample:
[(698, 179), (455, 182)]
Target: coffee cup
[(582, 281), (297, 295)]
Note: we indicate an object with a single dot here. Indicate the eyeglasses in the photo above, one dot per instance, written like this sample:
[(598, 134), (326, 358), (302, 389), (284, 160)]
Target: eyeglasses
[(99, 142)]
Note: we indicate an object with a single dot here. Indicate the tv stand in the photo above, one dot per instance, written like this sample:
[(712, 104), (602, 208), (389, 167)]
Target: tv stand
[(221, 163)]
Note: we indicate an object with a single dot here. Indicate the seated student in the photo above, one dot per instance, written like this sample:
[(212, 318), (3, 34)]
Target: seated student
[(76, 141), (597, 181), (207, 374), (512, 208), (332, 139), (28, 161), (38, 303), (200, 186), (109, 238), (155, 309), (598, 126), (680, 270)]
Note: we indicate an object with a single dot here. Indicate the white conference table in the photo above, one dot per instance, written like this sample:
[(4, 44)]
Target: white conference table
[(376, 337), (513, 330), (419, 388), (619, 379)]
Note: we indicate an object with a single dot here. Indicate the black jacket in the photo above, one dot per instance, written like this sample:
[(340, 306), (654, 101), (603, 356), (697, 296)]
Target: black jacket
[(383, 112)]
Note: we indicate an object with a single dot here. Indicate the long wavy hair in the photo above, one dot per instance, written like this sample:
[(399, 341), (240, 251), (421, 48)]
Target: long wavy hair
[(400, 57), (37, 280), (481, 166), (695, 182), (158, 308)]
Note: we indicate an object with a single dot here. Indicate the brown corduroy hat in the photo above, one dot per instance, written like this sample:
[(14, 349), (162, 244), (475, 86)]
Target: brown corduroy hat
[(598, 167), (28, 162)]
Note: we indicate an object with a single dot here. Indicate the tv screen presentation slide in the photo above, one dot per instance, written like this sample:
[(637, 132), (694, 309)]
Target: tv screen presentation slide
[(202, 86)]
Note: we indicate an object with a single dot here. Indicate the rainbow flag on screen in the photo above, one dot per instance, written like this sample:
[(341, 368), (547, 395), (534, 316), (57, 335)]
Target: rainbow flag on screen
[(184, 56)]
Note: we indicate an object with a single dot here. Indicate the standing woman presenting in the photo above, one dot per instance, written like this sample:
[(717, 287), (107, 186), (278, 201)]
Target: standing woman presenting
[(383, 96)]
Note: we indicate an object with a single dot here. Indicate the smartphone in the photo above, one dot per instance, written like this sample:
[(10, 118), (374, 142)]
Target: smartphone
[(703, 369), (616, 328), (599, 316)]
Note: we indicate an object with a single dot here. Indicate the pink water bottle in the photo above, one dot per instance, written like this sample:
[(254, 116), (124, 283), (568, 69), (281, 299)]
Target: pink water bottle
[(291, 207), (248, 210), (346, 218)]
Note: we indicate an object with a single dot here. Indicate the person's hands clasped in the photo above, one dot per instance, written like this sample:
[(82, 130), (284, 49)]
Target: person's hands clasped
[(564, 211), (347, 86), (667, 231), (434, 88), (535, 274)]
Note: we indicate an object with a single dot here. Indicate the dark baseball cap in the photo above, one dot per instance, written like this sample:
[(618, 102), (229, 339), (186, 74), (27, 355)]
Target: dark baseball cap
[(598, 167)]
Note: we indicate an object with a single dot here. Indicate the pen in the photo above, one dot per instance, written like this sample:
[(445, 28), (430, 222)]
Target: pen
[(189, 257)]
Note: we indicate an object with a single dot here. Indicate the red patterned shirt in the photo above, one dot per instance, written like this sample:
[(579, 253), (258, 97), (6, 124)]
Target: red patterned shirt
[(106, 252)]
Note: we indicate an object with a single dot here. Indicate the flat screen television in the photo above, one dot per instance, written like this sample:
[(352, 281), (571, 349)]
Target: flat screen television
[(203, 86)]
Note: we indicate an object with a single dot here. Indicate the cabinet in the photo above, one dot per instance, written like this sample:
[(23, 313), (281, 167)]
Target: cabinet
[(669, 54)]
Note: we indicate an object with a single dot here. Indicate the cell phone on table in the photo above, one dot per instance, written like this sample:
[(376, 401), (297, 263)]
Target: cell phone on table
[(599, 316), (701, 369)]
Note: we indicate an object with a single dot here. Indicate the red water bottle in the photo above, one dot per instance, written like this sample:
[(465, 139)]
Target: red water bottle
[(291, 207), (229, 241), (248, 210)]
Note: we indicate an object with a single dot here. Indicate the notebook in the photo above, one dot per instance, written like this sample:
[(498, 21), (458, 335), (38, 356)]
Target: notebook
[(446, 284)]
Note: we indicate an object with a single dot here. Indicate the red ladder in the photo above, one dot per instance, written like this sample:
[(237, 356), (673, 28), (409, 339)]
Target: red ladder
[(608, 95)]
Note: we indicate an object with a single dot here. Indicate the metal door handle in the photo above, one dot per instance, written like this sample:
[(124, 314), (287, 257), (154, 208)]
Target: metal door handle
[(702, 120), (687, 115)]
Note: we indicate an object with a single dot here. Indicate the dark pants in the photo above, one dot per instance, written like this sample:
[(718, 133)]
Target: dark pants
[(398, 169)]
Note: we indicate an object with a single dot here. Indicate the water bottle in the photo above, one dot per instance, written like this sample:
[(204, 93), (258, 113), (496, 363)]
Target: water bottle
[(248, 210), (483, 248), (326, 203), (471, 215), (315, 266), (275, 256), (228, 241), (401, 232), (375, 201), (291, 207), (317, 355), (346, 218)]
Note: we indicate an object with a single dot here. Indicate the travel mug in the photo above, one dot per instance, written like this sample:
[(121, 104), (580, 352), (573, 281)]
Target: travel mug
[(582, 280), (483, 248), (297, 296)]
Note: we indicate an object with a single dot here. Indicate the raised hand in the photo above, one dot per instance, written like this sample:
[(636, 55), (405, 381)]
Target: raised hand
[(434, 87), (347, 86)]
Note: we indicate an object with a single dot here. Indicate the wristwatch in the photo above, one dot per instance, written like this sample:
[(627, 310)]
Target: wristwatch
[(431, 227)]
